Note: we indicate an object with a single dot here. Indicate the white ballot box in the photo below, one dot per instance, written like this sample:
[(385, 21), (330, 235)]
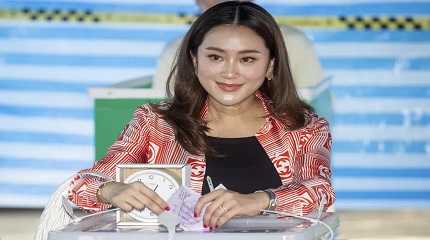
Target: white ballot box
[(260, 227)]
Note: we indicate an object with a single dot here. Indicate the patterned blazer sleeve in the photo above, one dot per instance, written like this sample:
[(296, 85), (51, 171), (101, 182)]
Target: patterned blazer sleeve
[(312, 174), (130, 147)]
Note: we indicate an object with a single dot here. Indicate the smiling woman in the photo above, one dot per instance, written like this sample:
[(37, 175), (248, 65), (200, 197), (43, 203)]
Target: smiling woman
[(235, 116)]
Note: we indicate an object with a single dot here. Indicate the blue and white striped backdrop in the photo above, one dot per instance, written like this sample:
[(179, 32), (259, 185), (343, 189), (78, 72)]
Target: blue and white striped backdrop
[(381, 83)]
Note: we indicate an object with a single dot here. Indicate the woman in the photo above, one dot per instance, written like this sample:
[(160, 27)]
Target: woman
[(235, 116)]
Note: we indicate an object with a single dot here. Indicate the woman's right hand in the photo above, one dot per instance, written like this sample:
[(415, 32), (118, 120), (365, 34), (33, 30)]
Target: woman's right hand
[(129, 196)]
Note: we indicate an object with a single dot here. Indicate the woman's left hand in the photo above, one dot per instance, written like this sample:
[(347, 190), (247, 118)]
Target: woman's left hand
[(225, 204)]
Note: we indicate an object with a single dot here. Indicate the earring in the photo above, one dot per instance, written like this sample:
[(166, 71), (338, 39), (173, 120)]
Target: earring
[(269, 75)]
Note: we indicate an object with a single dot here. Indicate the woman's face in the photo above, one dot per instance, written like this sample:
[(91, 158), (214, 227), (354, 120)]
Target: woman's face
[(232, 63)]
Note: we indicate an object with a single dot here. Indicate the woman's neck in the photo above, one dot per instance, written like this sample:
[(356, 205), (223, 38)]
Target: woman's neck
[(241, 120), (243, 110)]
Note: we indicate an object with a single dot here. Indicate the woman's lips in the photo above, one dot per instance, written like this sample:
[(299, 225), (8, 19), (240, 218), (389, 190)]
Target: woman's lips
[(229, 87)]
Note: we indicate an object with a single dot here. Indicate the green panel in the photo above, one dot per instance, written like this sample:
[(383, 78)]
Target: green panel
[(111, 115)]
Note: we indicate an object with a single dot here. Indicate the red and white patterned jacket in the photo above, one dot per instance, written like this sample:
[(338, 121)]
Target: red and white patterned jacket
[(301, 158)]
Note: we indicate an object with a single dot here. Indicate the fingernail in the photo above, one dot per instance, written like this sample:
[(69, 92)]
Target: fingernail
[(167, 208), (210, 228), (205, 226), (195, 215), (216, 226)]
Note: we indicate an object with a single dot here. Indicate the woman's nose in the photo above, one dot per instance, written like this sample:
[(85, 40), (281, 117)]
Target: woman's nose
[(230, 69)]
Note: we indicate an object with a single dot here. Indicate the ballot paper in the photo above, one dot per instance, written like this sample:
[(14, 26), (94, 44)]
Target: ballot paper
[(182, 204)]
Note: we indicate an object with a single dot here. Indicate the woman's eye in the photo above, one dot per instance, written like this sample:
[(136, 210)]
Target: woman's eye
[(214, 57), (248, 59)]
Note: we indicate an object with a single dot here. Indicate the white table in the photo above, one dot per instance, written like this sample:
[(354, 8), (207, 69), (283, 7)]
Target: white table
[(261, 227)]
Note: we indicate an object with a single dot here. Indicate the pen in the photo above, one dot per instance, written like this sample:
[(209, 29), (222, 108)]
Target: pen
[(210, 184)]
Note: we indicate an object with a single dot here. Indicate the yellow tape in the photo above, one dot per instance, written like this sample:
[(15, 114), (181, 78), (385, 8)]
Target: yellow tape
[(311, 21), (372, 23), (417, 23), (85, 16)]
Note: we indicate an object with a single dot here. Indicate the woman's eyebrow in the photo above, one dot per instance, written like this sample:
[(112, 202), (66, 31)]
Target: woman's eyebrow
[(241, 51)]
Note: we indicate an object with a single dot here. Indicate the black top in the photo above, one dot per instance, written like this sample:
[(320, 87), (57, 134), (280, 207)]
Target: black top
[(241, 165)]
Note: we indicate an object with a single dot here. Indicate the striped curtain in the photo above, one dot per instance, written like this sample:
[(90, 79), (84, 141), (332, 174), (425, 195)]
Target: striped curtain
[(377, 54)]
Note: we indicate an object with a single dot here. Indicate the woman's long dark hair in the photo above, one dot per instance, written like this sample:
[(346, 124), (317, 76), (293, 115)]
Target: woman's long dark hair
[(183, 109)]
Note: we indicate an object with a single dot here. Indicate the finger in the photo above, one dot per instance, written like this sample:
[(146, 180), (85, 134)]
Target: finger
[(213, 207), (232, 212), (149, 197), (155, 208), (224, 208), (135, 202), (154, 198), (205, 199), (124, 206)]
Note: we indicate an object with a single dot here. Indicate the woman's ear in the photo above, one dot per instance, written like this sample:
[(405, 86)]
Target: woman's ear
[(269, 72)]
